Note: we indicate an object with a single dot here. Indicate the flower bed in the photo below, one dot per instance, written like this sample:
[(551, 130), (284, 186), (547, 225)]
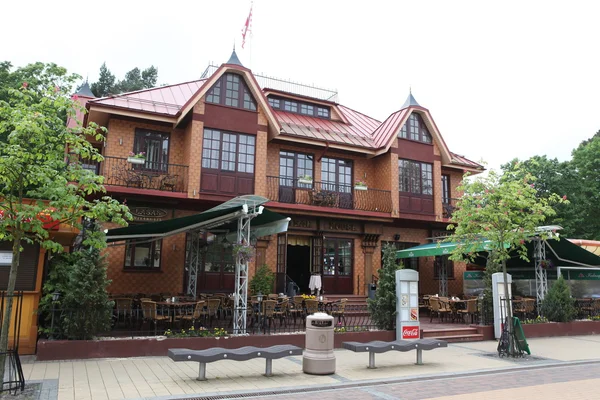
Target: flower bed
[(549, 329)]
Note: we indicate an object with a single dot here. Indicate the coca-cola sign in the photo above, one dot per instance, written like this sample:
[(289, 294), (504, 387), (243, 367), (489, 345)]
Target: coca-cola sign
[(410, 332)]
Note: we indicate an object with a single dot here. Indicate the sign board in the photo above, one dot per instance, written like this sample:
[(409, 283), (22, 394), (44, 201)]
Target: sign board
[(407, 305), (499, 295), (5, 257)]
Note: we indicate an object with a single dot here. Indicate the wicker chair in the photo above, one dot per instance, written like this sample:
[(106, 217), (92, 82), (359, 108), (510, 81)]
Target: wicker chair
[(297, 308), (339, 310), (196, 315), (213, 305), (312, 306), (282, 311), (150, 314), (123, 309), (268, 311)]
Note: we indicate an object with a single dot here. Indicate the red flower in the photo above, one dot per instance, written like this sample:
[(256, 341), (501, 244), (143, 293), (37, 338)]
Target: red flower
[(25, 84), (75, 97), (565, 197), (522, 241), (56, 89)]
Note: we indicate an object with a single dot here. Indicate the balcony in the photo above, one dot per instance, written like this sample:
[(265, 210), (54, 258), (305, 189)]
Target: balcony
[(448, 207), (293, 191), (149, 175)]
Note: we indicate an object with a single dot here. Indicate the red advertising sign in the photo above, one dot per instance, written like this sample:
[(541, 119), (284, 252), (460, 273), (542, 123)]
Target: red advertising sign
[(410, 332)]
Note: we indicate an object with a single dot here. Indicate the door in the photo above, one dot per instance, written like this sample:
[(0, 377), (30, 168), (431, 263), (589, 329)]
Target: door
[(218, 269), (337, 177), (337, 266), (280, 280), (293, 167)]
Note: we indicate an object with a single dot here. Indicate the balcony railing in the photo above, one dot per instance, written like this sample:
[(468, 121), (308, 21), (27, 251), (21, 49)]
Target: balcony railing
[(448, 207), (297, 191), (149, 175)]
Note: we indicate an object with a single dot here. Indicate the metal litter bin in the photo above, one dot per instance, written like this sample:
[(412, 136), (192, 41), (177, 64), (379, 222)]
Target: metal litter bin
[(318, 358), (372, 288)]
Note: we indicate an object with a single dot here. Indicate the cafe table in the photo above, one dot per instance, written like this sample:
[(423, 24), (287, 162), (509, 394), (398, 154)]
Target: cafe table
[(175, 306)]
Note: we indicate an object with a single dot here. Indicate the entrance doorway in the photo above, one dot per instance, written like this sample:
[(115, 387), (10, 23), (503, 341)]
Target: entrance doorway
[(298, 265)]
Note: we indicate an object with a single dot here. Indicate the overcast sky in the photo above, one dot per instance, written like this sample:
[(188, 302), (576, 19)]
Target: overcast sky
[(502, 80)]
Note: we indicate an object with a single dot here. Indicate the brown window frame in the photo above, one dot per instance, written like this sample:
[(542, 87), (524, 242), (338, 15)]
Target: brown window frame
[(445, 189), (236, 153), (412, 177), (337, 185), (318, 110), (218, 94), (294, 155), (140, 145), (130, 247), (422, 134)]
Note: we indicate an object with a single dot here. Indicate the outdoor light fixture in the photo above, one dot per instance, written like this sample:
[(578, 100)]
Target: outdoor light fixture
[(259, 297), (55, 296), (260, 209), (397, 236), (321, 298), (245, 208)]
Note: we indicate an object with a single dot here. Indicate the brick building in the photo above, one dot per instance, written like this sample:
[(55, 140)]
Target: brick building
[(349, 182)]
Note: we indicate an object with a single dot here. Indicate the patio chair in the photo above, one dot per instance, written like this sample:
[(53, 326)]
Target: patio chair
[(268, 311), (312, 306), (281, 312), (123, 309), (213, 305), (198, 313), (436, 308), (273, 296), (169, 182), (297, 308), (150, 314), (445, 308), (469, 311), (339, 309)]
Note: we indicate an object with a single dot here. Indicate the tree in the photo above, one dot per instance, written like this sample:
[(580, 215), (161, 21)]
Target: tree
[(134, 80), (504, 209), (106, 83), (383, 307), (558, 305), (553, 176), (262, 281), (586, 159), (81, 279), (39, 181)]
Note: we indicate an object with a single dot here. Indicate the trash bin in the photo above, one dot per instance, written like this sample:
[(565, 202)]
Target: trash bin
[(291, 289), (318, 358), (372, 288)]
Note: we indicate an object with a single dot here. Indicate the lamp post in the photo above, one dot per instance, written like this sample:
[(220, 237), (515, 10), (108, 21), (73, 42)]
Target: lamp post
[(55, 297), (259, 298)]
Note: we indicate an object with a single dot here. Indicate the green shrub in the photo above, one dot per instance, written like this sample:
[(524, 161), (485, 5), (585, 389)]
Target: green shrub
[(383, 306), (558, 305), (262, 281)]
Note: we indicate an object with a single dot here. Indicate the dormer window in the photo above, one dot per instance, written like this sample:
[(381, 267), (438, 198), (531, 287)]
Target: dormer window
[(231, 90), (299, 107), (415, 129)]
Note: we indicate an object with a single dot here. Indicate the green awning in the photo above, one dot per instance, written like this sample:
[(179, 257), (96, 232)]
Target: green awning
[(440, 249), (222, 218)]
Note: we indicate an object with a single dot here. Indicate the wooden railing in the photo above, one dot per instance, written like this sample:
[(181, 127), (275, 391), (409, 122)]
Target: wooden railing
[(297, 191), (149, 175)]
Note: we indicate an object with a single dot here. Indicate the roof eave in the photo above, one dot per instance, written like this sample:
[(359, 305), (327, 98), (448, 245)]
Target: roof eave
[(110, 109)]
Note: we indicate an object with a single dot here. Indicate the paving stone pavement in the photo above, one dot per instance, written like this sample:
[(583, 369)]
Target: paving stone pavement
[(160, 378)]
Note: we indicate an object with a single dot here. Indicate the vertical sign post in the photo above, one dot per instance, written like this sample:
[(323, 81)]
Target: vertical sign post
[(407, 305)]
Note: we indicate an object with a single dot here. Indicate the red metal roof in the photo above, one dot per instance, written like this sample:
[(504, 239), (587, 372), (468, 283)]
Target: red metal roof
[(360, 131), (165, 100), (461, 160)]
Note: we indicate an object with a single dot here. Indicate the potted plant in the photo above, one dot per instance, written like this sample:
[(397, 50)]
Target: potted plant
[(306, 179), (360, 185), (139, 158), (244, 252), (546, 264)]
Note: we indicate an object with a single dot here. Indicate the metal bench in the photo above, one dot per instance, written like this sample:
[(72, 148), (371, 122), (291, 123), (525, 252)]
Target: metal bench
[(240, 354), (398, 345)]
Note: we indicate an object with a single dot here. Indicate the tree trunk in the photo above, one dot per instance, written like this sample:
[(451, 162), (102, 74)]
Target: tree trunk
[(10, 291), (511, 346)]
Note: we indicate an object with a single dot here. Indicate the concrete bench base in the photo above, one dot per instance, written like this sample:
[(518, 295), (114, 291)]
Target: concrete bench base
[(241, 354), (398, 345)]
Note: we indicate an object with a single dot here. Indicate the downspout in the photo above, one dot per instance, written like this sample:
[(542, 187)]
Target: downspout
[(324, 151)]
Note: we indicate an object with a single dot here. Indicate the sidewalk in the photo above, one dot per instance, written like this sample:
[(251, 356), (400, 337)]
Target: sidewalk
[(151, 377)]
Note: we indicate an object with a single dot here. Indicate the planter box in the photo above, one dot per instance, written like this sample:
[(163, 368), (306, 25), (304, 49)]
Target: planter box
[(360, 188), (549, 329), (305, 181), (135, 160), (48, 350)]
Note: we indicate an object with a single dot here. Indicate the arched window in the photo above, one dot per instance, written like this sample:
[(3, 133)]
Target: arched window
[(415, 129)]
